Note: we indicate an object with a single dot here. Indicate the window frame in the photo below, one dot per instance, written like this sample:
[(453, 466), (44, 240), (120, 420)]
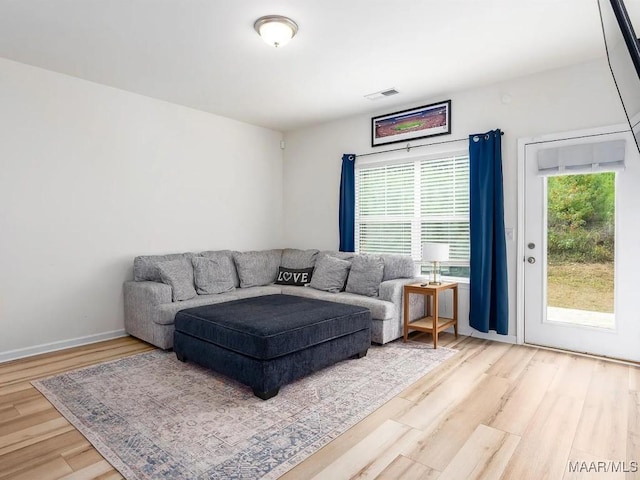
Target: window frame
[(415, 219)]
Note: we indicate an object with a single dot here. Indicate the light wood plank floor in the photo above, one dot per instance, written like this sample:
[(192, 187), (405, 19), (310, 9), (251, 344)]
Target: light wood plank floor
[(492, 411)]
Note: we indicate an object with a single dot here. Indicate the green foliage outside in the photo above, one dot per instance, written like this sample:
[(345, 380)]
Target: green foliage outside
[(581, 216)]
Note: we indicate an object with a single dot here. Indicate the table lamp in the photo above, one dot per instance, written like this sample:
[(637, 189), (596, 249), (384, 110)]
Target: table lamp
[(435, 253)]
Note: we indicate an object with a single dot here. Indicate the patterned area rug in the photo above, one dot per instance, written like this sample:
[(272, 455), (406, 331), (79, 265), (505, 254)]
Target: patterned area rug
[(153, 417)]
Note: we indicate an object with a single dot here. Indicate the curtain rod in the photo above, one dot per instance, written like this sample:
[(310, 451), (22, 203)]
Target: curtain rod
[(409, 146)]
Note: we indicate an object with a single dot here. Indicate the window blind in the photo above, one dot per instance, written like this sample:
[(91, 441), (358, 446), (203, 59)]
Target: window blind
[(445, 186), (400, 206), (386, 191), (583, 158), (384, 209), (444, 202)]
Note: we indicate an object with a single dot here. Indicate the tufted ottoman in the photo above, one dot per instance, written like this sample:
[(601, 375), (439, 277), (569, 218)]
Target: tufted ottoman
[(266, 342)]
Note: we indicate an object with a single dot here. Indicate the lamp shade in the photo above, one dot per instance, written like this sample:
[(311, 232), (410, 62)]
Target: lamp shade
[(435, 252)]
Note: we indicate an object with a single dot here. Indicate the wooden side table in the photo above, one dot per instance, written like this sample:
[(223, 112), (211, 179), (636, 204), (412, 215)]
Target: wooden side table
[(431, 322)]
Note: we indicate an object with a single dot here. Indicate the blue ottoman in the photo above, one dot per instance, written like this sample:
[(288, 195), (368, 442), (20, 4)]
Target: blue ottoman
[(266, 342)]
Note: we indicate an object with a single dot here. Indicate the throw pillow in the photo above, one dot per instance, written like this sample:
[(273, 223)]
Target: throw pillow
[(212, 275), (257, 268), (398, 266), (334, 253), (145, 267), (295, 258), (330, 274), (179, 275), (298, 277), (365, 275), (224, 253)]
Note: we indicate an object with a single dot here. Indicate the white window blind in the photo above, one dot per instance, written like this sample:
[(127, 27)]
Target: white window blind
[(444, 202), (582, 158), (399, 206), (385, 208)]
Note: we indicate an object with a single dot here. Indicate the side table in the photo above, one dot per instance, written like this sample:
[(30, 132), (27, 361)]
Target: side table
[(431, 322)]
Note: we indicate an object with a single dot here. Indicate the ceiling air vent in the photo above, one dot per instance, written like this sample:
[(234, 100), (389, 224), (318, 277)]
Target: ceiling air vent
[(382, 94)]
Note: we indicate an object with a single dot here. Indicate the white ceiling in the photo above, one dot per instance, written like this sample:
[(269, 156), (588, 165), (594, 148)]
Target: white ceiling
[(205, 54)]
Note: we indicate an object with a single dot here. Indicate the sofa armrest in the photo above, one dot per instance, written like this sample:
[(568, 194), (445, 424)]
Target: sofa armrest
[(151, 293), (393, 290), (140, 307)]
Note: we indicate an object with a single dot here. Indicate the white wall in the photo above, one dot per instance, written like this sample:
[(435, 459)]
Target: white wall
[(91, 176), (573, 98)]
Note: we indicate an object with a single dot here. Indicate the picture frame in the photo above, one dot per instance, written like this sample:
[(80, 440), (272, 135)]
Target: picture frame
[(421, 122)]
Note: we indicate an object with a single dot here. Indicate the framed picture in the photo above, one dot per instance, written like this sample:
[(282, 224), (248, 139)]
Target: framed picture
[(421, 122)]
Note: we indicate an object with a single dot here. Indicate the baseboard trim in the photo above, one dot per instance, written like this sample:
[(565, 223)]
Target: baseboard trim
[(488, 336), (61, 345)]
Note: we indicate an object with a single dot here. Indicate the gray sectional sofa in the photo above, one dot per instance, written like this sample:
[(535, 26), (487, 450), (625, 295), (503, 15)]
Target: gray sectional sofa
[(165, 284)]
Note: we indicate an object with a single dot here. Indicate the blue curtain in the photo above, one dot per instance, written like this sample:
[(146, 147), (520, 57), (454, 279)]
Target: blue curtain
[(348, 203), (489, 303)]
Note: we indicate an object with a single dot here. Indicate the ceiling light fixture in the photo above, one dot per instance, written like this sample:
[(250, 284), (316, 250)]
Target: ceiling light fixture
[(276, 30)]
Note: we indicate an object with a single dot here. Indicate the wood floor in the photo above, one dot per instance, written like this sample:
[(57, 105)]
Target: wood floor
[(492, 411)]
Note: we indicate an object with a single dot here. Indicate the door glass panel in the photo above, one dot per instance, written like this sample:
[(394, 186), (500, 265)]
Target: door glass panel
[(580, 249)]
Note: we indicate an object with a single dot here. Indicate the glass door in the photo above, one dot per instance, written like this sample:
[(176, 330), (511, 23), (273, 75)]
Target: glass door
[(570, 258), (580, 242)]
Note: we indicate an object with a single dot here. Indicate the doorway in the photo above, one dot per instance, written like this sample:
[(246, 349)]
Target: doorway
[(569, 244)]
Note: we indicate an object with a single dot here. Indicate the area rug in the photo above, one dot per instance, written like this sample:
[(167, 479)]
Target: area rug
[(153, 417)]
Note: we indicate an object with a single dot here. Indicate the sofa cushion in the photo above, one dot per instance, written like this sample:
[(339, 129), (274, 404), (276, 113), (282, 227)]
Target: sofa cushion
[(307, 292), (257, 268), (224, 253), (295, 258), (380, 309), (334, 253), (398, 266), (145, 267), (257, 291), (330, 274), (294, 276), (179, 274), (165, 314), (365, 275), (212, 275)]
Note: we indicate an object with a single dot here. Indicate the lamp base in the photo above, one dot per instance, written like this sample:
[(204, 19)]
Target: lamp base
[(435, 274)]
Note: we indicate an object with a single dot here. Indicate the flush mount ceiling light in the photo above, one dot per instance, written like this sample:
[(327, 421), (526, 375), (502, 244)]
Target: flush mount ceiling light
[(276, 30)]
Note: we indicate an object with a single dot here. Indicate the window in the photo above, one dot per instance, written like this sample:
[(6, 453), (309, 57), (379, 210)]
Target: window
[(401, 205)]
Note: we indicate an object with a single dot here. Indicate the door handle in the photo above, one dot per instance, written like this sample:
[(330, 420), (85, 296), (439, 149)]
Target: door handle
[(531, 260)]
